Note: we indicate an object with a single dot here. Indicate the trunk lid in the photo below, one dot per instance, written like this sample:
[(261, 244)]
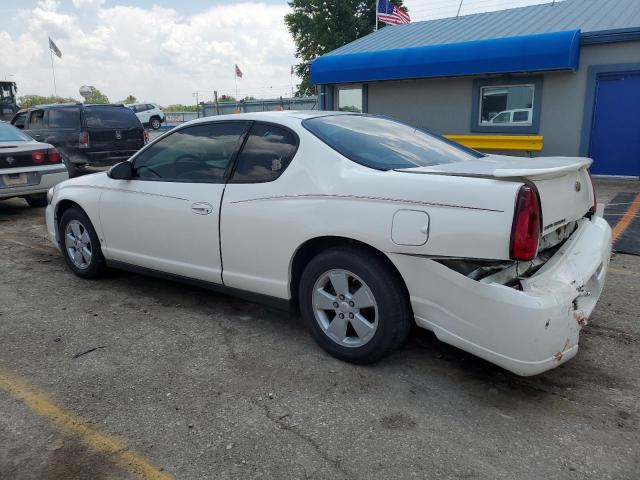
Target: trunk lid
[(563, 183), (18, 154)]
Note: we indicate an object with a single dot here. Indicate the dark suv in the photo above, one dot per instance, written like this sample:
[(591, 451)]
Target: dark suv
[(96, 135)]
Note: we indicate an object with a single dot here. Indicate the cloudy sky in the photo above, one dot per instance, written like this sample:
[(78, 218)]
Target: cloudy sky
[(163, 50)]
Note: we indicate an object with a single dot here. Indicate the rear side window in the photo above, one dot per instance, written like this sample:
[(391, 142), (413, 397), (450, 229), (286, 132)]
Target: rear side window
[(111, 117), (385, 144), (64, 118), (265, 155), (196, 154), (36, 119)]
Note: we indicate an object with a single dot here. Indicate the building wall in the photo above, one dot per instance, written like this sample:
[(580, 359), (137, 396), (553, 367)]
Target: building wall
[(444, 105)]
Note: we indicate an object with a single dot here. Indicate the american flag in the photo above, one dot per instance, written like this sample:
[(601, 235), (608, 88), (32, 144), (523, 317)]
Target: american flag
[(390, 14), (238, 71)]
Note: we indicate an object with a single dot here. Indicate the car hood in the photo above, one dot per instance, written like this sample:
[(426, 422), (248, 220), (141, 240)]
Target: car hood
[(502, 166)]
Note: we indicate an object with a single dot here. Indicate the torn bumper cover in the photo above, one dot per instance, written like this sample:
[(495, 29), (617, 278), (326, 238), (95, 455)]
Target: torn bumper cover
[(525, 331)]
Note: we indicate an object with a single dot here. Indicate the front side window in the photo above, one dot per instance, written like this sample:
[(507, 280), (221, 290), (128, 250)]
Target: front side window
[(265, 155), (385, 144), (36, 119), (498, 103), (64, 118), (196, 154), (349, 99)]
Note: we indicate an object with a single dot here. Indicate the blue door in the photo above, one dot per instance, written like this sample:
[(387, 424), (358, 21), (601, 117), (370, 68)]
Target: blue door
[(615, 131)]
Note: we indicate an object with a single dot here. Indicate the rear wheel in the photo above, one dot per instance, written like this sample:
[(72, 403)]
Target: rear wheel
[(155, 123), (354, 304), (80, 244), (37, 201)]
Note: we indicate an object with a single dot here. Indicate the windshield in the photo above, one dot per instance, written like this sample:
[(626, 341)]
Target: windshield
[(385, 144), (9, 133), (111, 117)]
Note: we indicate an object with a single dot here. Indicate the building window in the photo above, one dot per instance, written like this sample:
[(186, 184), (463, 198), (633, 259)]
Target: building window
[(349, 99), (507, 105)]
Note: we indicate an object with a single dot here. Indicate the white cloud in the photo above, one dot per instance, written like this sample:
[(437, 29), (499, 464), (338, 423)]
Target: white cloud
[(155, 54), (87, 3)]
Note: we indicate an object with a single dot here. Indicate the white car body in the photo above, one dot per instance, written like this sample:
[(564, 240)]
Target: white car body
[(146, 112), (417, 218)]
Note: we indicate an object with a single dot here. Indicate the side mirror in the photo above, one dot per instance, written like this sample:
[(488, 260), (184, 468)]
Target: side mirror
[(121, 171)]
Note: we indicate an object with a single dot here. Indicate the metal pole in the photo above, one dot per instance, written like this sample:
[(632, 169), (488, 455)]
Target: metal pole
[(53, 72), (376, 28), (459, 8), (195, 94), (215, 100), (291, 79)]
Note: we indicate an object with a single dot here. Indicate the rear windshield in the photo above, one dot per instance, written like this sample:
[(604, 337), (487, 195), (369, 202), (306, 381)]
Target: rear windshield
[(110, 117), (9, 133), (385, 144)]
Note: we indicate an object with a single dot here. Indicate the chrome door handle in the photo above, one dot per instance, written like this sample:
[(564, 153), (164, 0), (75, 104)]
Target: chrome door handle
[(202, 208)]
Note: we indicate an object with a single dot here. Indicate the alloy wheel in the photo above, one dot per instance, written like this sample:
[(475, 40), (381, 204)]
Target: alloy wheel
[(345, 308), (78, 244)]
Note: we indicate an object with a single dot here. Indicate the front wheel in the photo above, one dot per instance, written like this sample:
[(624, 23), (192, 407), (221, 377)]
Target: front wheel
[(80, 244), (155, 123), (38, 200), (354, 304)]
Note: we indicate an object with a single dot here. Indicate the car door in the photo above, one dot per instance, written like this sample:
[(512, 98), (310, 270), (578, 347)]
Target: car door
[(256, 233), (166, 217), (143, 113), (37, 124)]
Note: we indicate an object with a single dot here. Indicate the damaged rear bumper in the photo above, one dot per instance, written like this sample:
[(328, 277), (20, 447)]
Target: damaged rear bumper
[(525, 331)]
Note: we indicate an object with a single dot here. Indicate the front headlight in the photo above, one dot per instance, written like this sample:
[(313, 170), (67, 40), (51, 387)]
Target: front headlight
[(50, 194)]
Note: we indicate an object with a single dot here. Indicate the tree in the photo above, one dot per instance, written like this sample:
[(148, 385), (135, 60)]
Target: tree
[(179, 107), (31, 100), (320, 26), (129, 99), (95, 96)]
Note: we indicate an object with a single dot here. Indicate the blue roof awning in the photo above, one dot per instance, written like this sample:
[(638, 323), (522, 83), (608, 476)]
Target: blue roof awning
[(528, 53)]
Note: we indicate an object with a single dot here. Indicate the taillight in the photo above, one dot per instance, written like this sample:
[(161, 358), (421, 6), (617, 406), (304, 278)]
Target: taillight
[(37, 157), (83, 140), (54, 156), (594, 206), (145, 136), (527, 221)]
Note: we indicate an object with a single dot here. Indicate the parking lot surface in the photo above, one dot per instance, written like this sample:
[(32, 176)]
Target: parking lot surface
[(132, 377)]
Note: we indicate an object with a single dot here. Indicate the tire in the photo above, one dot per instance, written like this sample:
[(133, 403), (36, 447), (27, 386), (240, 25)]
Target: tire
[(71, 167), (155, 123), (75, 222), (37, 201), (388, 320)]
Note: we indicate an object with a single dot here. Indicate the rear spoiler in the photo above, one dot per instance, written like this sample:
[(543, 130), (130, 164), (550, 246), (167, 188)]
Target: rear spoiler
[(540, 173)]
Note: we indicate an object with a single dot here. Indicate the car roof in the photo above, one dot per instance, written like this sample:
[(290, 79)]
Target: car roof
[(271, 116)]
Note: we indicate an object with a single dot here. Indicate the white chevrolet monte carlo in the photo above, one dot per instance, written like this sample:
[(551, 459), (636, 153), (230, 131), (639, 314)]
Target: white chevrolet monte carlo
[(366, 224)]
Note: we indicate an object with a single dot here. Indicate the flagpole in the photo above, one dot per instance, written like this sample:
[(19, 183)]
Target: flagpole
[(53, 72), (377, 3)]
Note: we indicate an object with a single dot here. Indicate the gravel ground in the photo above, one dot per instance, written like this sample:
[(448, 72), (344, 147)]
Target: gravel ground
[(207, 386)]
